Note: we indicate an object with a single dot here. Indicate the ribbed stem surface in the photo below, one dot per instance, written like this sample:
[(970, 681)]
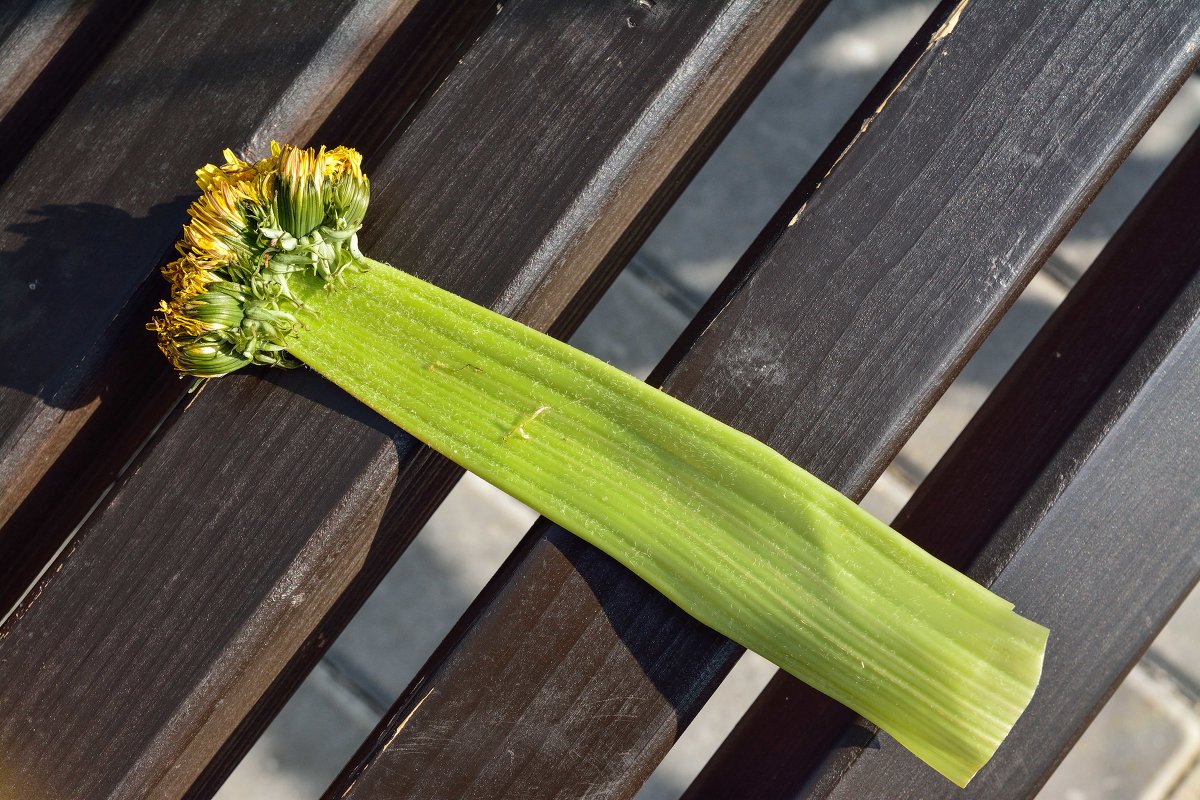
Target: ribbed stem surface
[(731, 531)]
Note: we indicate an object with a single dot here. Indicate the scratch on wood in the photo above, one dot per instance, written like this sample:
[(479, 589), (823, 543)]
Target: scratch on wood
[(389, 742), (944, 30), (404, 721), (950, 24), (796, 218), (199, 386)]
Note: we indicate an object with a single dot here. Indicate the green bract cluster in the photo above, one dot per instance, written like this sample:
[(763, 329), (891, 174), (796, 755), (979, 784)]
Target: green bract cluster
[(254, 225)]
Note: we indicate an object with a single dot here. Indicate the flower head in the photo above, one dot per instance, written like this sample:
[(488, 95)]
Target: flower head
[(253, 225), (299, 199), (350, 191)]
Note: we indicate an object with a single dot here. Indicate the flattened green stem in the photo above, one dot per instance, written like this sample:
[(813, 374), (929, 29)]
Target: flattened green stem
[(728, 529)]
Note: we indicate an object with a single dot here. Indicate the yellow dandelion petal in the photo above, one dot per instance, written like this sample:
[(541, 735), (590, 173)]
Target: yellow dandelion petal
[(203, 259), (208, 176), (342, 160), (266, 165), (218, 223), (188, 275), (233, 172), (209, 245), (254, 191), (226, 204), (300, 163), (172, 320)]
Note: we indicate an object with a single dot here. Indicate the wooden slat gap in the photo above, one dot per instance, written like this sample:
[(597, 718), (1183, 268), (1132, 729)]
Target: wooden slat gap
[(411, 504), (134, 392), (796, 203), (846, 303), (988, 471), (94, 30)]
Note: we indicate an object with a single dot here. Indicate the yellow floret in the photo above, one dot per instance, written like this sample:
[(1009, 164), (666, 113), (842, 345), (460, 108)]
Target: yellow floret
[(188, 275)]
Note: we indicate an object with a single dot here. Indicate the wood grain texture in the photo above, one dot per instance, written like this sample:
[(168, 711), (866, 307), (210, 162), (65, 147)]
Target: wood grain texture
[(1102, 547), (983, 481), (31, 31), (729, 64), (47, 49), (234, 532), (121, 134), (82, 384), (836, 334)]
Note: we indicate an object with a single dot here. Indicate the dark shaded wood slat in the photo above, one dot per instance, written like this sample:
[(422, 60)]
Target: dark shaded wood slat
[(841, 327), (738, 56), (1102, 549), (83, 386), (239, 525), (986, 475), (47, 48)]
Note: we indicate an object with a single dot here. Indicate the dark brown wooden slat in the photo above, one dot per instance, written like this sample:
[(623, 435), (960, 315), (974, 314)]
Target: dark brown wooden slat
[(82, 385), (412, 504), (402, 73), (975, 155), (1102, 548), (986, 475), (46, 51), (238, 526)]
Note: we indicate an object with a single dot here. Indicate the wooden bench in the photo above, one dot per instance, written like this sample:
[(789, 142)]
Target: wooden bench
[(193, 557)]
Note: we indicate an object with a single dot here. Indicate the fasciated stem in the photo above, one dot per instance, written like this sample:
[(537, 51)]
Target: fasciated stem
[(728, 529)]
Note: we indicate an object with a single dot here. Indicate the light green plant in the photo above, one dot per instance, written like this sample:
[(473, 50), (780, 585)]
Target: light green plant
[(735, 534)]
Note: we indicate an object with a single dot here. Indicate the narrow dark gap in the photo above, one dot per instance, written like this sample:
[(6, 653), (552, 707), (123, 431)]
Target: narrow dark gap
[(407, 68), (35, 110)]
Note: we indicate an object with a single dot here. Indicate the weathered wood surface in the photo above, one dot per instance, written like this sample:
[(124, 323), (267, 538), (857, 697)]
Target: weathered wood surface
[(81, 384), (47, 49), (240, 523), (984, 483), (834, 337), (740, 50), (1102, 548)]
